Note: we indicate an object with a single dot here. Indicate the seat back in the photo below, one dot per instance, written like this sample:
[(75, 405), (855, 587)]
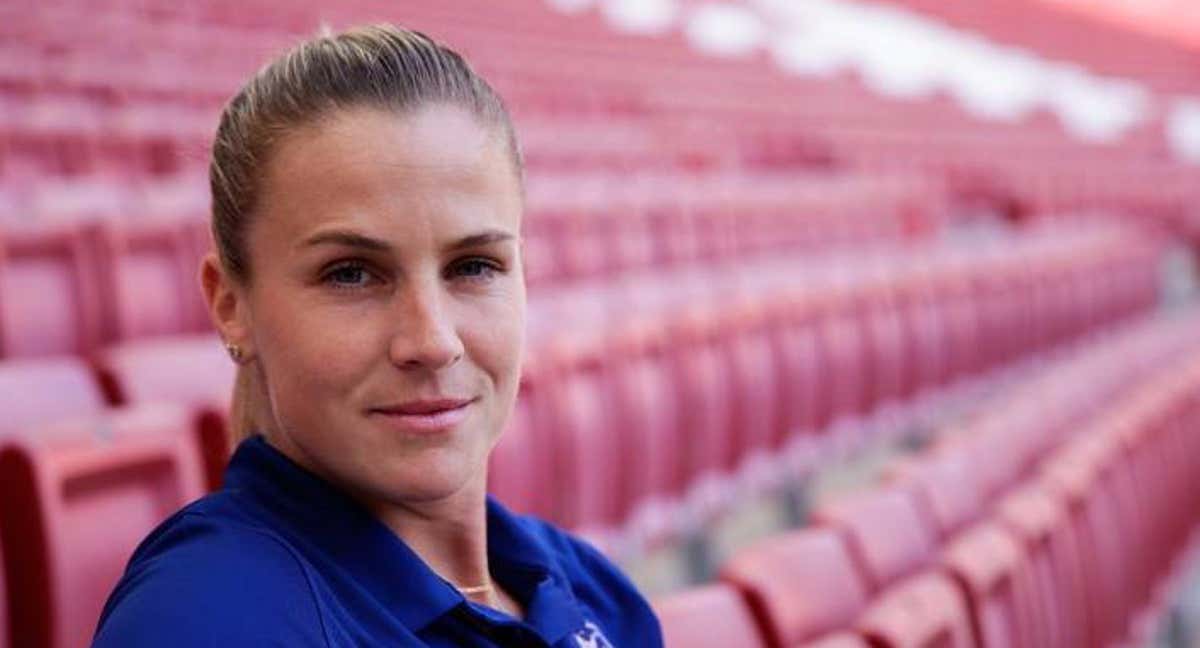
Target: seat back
[(988, 564), (36, 391), (801, 585), (712, 616), (925, 611), (885, 530), (192, 369), (75, 499), (48, 301)]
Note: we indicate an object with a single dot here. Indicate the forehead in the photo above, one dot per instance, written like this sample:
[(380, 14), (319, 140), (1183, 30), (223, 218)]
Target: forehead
[(437, 163)]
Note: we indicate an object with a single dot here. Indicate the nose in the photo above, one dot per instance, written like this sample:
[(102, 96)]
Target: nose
[(427, 335)]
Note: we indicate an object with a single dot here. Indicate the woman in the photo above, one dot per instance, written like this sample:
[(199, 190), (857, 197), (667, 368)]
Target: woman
[(367, 199)]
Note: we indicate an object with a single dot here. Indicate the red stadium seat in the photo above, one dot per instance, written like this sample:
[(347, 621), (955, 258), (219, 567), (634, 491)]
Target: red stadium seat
[(6, 638), (754, 376), (713, 616), (945, 485), (988, 564), (38, 391), (151, 284), (925, 611), (195, 370), (75, 499), (192, 370), (647, 415), (700, 372), (48, 302), (586, 472), (1038, 521), (886, 531), (802, 585)]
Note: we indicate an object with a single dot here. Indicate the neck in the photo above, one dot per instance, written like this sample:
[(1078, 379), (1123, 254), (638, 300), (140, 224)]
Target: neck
[(449, 534)]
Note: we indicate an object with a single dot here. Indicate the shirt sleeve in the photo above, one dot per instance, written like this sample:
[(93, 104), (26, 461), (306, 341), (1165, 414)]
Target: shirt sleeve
[(197, 585)]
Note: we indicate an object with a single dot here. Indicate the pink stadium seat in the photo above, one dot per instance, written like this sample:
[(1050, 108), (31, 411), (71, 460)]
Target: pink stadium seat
[(925, 611), (700, 372), (75, 499), (5, 636), (888, 346), (195, 370), (1039, 523), (988, 564), (712, 616), (799, 354), (802, 585), (647, 415), (843, 338), (191, 370), (38, 391), (586, 472), (945, 486), (151, 284), (755, 425), (886, 531), (48, 302)]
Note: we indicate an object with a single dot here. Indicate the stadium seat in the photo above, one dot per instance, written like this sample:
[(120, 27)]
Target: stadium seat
[(588, 463), (49, 304), (802, 585), (885, 530), (945, 486), (191, 370), (150, 278), (76, 498), (6, 638), (36, 391), (712, 616), (924, 611), (988, 564)]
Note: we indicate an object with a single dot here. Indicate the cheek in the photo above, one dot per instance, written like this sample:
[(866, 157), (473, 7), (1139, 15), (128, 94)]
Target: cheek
[(312, 351)]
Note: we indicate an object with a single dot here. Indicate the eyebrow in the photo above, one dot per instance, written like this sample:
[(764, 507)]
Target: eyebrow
[(478, 240), (354, 239)]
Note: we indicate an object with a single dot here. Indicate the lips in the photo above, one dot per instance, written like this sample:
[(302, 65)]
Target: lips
[(426, 416)]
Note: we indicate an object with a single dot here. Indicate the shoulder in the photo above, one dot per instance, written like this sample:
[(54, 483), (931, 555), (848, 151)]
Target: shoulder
[(205, 579), (623, 613)]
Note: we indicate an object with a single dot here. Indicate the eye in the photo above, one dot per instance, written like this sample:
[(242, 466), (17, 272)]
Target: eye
[(475, 269), (347, 275)]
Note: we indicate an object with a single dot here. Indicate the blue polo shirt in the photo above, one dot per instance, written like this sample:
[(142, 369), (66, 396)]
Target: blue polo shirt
[(278, 557)]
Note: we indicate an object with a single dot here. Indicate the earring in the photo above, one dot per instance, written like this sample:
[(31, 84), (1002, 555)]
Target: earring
[(235, 352)]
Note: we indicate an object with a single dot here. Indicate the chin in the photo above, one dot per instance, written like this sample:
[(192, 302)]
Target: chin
[(427, 481)]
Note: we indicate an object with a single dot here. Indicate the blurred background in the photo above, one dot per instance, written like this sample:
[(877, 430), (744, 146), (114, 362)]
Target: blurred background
[(851, 324)]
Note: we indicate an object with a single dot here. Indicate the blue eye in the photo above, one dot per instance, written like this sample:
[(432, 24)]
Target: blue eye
[(475, 269), (349, 275)]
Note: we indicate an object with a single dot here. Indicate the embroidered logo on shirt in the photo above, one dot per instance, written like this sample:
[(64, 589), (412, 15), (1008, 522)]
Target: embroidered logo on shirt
[(591, 637)]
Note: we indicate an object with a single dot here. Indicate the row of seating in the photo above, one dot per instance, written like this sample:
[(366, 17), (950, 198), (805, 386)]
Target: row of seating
[(71, 287), (744, 363), (661, 113), (138, 425), (1075, 547)]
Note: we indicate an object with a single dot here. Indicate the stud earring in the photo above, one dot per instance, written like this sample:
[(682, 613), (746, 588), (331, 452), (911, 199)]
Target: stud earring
[(235, 352)]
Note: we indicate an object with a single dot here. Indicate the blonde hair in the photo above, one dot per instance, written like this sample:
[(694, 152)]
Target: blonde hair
[(380, 66)]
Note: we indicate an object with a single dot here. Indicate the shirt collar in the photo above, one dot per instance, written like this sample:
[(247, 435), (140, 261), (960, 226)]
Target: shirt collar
[(526, 564), (339, 536)]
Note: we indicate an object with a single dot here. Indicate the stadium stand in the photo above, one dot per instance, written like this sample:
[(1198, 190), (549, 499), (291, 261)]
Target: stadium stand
[(77, 497), (751, 265)]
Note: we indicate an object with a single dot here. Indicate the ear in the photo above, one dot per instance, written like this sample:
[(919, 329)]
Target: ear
[(227, 304)]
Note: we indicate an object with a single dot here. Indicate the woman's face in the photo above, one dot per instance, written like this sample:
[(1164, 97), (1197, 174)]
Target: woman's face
[(386, 307)]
